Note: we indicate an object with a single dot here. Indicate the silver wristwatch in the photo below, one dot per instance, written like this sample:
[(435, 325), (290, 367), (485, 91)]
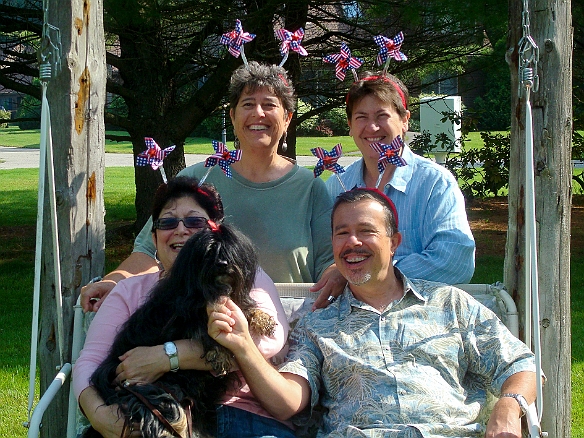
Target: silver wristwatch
[(520, 400), (172, 353)]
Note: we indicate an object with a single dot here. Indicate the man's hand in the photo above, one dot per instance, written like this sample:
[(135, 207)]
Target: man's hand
[(228, 326), (93, 294), (331, 284), (505, 420), (142, 365)]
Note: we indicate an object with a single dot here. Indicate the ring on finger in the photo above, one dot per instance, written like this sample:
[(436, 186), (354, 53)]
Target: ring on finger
[(331, 299), (125, 384)]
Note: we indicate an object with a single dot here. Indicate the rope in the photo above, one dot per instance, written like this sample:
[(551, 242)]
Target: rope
[(528, 81), (49, 56)]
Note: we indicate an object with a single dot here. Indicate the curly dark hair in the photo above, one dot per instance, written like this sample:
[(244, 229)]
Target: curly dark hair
[(183, 186)]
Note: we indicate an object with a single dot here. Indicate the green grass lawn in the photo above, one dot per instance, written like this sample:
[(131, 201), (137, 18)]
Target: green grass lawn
[(13, 136), (18, 198)]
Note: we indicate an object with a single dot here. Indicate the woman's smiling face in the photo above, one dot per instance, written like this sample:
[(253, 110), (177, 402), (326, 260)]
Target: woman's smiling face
[(169, 242), (375, 121), (259, 119)]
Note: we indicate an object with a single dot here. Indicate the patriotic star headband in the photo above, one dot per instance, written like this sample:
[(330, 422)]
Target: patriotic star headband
[(389, 49), (290, 41), (344, 61), (154, 156), (328, 161), (223, 157), (388, 154), (235, 40)]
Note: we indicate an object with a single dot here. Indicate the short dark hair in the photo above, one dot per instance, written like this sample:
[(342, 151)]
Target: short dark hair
[(382, 87), (183, 186), (364, 193), (255, 76)]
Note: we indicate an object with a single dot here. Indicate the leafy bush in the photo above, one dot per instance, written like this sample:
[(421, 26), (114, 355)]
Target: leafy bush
[(4, 115), (30, 109)]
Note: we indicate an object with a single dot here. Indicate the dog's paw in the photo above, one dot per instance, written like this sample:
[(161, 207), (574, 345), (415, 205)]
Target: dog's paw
[(260, 322), (220, 360)]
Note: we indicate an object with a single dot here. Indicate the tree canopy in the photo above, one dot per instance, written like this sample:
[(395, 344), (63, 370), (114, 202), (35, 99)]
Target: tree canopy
[(169, 71)]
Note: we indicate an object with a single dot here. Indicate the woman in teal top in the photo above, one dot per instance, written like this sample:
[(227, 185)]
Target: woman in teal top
[(280, 206)]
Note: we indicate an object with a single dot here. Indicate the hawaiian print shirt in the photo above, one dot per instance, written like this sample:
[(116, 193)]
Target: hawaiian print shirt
[(420, 368)]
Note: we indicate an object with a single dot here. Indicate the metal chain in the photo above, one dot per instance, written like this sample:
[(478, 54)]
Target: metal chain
[(49, 53), (528, 55)]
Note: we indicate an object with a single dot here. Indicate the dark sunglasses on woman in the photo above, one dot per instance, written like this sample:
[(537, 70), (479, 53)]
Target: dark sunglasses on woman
[(170, 223)]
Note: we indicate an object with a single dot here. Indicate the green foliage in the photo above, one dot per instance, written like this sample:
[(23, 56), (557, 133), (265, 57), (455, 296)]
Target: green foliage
[(4, 115), (326, 124), (493, 107), (30, 108)]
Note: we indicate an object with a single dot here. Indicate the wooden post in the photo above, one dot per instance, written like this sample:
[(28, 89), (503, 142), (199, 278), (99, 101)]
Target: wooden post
[(76, 97), (551, 28)]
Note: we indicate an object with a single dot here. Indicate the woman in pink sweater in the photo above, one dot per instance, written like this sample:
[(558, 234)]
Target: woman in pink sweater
[(180, 209)]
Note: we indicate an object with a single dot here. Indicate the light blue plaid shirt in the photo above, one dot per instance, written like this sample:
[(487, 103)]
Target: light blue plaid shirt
[(437, 243), (423, 366)]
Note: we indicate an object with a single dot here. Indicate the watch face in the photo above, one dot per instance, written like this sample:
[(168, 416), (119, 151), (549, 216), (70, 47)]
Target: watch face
[(170, 348)]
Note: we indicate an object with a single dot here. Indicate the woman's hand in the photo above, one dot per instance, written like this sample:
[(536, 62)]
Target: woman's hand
[(142, 365), (331, 284), (104, 419), (93, 294)]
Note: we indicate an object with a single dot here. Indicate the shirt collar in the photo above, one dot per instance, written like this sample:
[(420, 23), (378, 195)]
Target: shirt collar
[(348, 300)]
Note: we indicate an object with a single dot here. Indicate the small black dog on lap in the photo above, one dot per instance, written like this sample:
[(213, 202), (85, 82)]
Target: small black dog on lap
[(215, 262)]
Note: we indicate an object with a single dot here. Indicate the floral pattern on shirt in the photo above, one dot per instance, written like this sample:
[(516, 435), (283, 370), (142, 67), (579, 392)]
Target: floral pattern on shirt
[(423, 366)]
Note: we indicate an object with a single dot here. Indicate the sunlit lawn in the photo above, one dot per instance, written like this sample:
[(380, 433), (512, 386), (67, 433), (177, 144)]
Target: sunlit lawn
[(13, 136)]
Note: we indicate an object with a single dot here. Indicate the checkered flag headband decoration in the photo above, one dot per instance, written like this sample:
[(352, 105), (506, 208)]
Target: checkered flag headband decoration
[(388, 49), (154, 156), (344, 61), (388, 154), (235, 40), (223, 157), (328, 161)]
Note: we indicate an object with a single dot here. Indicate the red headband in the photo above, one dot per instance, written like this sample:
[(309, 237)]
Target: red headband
[(386, 79), (386, 198)]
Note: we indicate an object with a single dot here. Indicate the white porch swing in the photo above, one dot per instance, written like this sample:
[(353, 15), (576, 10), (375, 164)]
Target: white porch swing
[(292, 295)]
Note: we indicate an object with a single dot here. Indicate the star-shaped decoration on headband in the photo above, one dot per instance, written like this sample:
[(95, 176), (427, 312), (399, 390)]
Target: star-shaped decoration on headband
[(344, 61), (291, 41), (223, 157), (153, 155), (328, 160), (389, 153), (390, 48), (235, 39)]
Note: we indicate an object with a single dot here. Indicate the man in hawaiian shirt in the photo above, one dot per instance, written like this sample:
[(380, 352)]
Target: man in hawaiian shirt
[(392, 357)]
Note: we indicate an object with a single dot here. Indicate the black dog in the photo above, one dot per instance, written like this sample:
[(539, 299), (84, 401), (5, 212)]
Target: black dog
[(212, 264)]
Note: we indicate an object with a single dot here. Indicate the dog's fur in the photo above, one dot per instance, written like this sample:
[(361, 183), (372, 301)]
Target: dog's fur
[(210, 265)]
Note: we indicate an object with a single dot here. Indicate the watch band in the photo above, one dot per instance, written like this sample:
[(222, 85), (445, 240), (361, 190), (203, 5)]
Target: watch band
[(523, 406), (172, 353)]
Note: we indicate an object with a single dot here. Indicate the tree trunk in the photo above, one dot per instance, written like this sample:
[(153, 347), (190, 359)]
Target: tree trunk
[(76, 97), (551, 28)]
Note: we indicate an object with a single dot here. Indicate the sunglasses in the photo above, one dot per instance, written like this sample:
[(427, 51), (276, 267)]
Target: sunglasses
[(170, 223)]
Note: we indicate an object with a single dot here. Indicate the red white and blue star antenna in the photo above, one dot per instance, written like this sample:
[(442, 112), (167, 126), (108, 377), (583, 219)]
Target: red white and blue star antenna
[(328, 161), (235, 40), (154, 156), (344, 61), (290, 41), (388, 154), (389, 48), (223, 157)]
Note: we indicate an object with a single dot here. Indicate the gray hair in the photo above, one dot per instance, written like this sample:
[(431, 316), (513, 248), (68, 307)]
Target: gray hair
[(255, 76)]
